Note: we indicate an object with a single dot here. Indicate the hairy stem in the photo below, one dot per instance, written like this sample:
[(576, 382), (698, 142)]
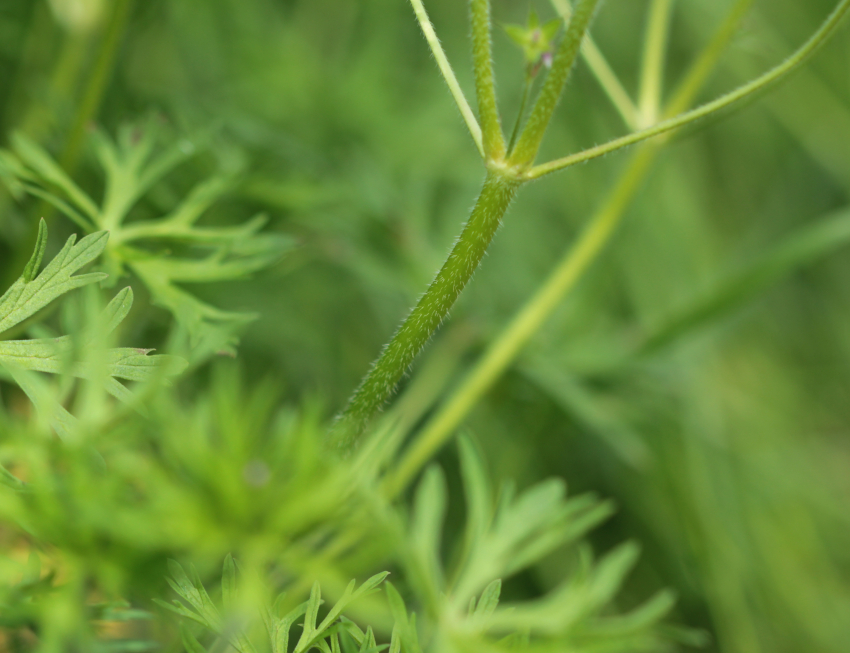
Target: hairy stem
[(605, 75), (553, 87), (500, 354), (576, 260), (485, 85), (430, 311)]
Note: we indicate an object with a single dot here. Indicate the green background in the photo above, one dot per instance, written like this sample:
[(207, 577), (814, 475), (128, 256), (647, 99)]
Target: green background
[(725, 445)]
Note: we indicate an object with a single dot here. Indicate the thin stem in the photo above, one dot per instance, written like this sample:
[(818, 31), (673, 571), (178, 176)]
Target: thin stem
[(485, 86), (771, 77), (576, 260), (430, 311), (448, 74), (553, 87), (96, 87), (526, 91), (706, 62), (652, 68), (605, 75)]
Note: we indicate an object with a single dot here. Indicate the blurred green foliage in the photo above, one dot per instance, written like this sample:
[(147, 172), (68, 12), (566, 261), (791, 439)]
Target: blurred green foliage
[(698, 375)]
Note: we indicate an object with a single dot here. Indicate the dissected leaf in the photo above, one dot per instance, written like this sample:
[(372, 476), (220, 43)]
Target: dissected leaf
[(32, 292), (26, 297), (132, 163)]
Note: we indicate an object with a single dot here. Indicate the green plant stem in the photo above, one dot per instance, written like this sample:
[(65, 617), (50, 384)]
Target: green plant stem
[(747, 90), (576, 260), (652, 67), (605, 75), (96, 87), (92, 95), (430, 311), (448, 74), (485, 86), (523, 103), (500, 354), (553, 87)]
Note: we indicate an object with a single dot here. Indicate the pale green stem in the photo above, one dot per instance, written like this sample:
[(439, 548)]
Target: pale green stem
[(485, 85), (605, 75), (652, 67), (97, 82), (575, 261), (771, 77), (705, 64), (553, 86), (448, 73), (429, 312)]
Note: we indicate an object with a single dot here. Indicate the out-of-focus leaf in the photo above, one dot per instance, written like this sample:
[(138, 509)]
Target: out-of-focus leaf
[(805, 247)]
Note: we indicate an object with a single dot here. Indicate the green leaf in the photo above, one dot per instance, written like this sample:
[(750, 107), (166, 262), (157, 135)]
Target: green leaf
[(426, 529), (404, 635), (310, 616), (802, 248), (228, 584), (489, 600), (41, 163), (131, 164), (350, 596), (34, 264), (44, 400), (191, 644), (55, 356), (479, 500), (26, 297)]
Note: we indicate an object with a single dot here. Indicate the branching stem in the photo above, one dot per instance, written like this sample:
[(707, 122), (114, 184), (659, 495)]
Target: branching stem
[(743, 92), (576, 260), (553, 86), (502, 182)]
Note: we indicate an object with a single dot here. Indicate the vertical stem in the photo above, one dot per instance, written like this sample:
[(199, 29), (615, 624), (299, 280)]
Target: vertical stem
[(100, 75), (550, 94), (429, 312), (603, 72), (485, 86), (526, 91), (652, 69)]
